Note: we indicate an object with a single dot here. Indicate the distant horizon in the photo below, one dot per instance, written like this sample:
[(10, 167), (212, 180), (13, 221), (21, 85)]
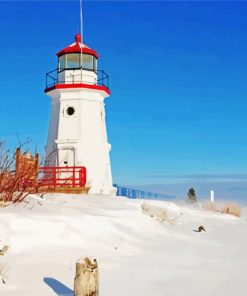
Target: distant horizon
[(224, 191)]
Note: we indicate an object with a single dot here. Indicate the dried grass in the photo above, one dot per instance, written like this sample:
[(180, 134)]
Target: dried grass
[(209, 206), (160, 213), (230, 208)]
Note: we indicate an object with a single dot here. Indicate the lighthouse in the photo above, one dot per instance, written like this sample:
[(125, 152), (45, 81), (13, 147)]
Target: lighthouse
[(77, 133)]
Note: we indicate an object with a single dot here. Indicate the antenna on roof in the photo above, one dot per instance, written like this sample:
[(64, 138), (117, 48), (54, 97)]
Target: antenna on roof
[(81, 33), (81, 20)]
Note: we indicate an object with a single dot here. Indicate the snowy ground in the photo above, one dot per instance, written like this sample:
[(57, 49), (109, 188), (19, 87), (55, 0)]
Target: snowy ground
[(137, 255)]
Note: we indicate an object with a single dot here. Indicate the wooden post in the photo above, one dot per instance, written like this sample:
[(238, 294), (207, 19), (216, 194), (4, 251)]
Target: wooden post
[(212, 196), (86, 278)]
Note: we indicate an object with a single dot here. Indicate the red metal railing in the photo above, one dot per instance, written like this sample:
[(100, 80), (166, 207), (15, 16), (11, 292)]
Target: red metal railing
[(62, 176), (54, 177)]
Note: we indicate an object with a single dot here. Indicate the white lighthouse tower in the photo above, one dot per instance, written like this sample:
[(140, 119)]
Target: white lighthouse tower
[(77, 131)]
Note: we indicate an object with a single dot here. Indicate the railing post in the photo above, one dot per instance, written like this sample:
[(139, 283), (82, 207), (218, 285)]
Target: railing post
[(73, 178), (80, 178), (54, 177), (84, 176)]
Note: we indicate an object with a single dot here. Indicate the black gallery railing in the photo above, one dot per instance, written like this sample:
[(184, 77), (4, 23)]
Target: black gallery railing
[(55, 77)]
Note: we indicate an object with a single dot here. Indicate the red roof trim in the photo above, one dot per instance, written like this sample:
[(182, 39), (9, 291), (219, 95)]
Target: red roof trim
[(78, 85), (76, 48)]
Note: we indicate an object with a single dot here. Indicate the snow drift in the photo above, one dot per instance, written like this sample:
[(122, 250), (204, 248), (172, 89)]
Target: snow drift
[(137, 255)]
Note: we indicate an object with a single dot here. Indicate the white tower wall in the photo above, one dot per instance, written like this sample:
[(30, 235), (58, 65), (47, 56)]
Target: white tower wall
[(80, 139)]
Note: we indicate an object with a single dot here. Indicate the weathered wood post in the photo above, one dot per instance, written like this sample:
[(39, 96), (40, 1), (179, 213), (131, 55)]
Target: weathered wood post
[(86, 278), (212, 196)]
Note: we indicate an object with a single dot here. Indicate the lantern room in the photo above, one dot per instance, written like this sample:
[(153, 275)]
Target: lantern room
[(77, 63)]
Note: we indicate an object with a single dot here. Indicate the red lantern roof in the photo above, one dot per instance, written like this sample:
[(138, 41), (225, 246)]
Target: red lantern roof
[(76, 48)]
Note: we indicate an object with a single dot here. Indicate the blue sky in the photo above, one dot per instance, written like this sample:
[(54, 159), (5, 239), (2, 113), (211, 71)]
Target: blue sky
[(177, 76)]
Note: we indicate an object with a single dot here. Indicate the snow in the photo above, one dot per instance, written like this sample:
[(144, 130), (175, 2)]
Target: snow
[(137, 254)]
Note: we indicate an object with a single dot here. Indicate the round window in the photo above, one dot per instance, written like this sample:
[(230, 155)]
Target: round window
[(70, 111)]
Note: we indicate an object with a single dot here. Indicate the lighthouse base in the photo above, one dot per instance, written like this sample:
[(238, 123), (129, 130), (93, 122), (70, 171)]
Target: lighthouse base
[(107, 191)]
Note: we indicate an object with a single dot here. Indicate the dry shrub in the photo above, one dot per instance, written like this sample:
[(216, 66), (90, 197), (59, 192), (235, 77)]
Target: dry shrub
[(209, 206), (230, 208), (13, 187), (161, 213)]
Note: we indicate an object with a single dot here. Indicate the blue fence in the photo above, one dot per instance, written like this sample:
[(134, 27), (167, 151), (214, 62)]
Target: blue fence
[(136, 193)]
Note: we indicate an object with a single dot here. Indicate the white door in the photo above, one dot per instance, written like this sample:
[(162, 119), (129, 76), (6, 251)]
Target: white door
[(66, 157)]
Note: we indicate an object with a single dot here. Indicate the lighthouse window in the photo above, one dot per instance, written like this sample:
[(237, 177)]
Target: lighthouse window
[(62, 62), (87, 62), (73, 61), (70, 111), (95, 64)]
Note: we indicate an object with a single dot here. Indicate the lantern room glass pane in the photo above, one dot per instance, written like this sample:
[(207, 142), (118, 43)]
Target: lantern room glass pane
[(62, 62), (87, 62), (95, 64), (73, 61)]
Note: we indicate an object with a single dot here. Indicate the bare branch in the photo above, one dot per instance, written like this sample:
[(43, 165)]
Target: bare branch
[(14, 183)]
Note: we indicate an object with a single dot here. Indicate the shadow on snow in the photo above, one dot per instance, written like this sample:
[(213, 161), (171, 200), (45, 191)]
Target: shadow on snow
[(59, 288)]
